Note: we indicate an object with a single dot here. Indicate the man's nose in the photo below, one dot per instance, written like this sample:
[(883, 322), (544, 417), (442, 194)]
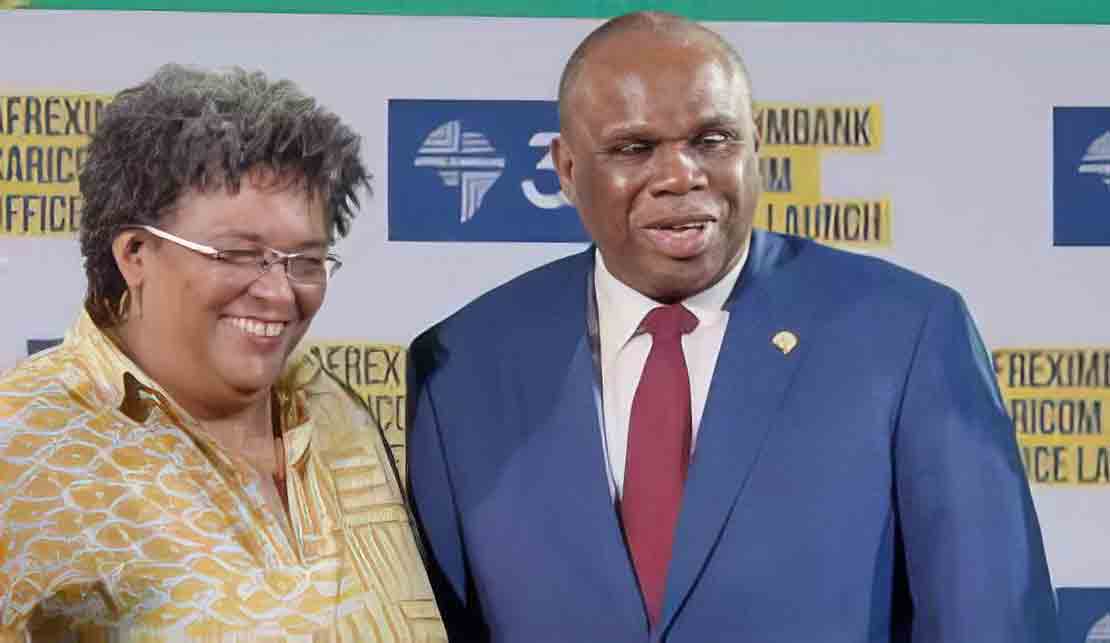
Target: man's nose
[(677, 170)]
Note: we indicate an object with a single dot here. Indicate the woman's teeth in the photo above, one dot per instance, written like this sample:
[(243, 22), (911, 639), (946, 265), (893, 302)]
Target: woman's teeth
[(259, 328)]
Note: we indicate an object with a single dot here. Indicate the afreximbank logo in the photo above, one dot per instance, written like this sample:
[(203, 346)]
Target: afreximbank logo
[(476, 170), (1097, 159), (1084, 614), (463, 160), (1081, 176)]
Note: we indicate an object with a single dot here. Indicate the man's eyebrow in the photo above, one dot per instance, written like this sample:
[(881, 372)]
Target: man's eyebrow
[(719, 120), (626, 131), (642, 131)]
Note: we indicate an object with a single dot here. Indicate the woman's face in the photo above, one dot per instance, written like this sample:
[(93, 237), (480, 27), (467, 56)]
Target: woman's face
[(214, 335)]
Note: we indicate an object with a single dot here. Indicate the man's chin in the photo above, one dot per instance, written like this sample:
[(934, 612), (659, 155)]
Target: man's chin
[(679, 279), (672, 291)]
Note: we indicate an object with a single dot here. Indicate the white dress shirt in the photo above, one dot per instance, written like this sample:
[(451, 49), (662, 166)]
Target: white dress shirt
[(620, 309)]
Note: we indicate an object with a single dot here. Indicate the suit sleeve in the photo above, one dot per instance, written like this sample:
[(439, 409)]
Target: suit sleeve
[(974, 558), (433, 503)]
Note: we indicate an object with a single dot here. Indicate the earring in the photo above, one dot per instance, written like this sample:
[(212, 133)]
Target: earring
[(121, 307)]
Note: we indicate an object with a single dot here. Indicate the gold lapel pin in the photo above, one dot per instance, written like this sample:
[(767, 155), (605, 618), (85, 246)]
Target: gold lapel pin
[(785, 341)]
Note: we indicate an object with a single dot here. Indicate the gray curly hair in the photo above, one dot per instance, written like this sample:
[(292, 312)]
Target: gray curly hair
[(187, 128)]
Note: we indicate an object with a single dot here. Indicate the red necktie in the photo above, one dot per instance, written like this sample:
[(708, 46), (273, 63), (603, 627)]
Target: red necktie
[(658, 452)]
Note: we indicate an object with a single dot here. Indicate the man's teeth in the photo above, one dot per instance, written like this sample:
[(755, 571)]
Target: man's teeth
[(687, 226), (260, 328)]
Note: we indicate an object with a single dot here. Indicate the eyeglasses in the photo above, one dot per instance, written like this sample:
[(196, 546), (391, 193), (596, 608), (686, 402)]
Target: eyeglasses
[(300, 268)]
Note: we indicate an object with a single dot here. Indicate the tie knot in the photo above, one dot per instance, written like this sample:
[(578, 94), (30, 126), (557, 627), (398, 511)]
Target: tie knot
[(669, 321)]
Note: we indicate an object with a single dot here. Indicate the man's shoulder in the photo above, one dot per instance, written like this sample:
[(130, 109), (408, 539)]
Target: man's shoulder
[(523, 300), (843, 274)]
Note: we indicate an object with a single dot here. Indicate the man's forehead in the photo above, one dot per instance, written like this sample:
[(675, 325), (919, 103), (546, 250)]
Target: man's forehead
[(675, 57), (631, 74), (650, 53)]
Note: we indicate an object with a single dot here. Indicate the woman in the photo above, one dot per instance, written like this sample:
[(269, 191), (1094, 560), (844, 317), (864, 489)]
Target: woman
[(170, 472)]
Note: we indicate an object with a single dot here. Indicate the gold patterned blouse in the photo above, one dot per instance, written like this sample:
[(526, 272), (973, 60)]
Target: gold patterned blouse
[(121, 521)]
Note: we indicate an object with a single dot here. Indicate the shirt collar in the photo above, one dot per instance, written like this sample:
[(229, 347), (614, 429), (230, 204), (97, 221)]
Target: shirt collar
[(121, 383), (621, 308), (119, 380)]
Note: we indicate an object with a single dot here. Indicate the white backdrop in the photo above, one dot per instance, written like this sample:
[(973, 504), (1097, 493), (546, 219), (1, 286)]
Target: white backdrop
[(966, 163)]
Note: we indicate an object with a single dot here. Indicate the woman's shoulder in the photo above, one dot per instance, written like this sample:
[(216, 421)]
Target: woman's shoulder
[(331, 405), (54, 382), (343, 427), (52, 436)]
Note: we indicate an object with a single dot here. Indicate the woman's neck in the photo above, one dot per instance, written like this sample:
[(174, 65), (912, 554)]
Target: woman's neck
[(248, 433), (241, 423)]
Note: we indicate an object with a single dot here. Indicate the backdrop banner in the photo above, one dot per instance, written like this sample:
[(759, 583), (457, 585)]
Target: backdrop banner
[(959, 151)]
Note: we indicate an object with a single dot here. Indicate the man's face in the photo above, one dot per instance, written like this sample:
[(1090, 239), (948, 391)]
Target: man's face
[(658, 155)]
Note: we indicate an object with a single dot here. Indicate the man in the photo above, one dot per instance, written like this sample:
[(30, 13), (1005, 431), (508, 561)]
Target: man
[(700, 432)]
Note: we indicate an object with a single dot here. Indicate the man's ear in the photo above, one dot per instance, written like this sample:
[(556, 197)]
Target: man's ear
[(564, 166), (128, 251)]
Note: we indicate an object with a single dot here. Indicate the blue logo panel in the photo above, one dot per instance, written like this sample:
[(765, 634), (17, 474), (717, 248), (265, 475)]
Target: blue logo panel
[(1084, 614), (476, 170), (1081, 176)]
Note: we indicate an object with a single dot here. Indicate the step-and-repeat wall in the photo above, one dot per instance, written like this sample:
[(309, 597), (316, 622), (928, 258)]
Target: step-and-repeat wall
[(976, 154)]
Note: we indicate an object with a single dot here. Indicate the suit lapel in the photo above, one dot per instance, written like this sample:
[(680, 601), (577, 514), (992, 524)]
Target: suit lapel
[(571, 465), (748, 386), (588, 515)]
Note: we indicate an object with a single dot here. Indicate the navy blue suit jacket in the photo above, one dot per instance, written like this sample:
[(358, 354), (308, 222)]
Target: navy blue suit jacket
[(866, 486)]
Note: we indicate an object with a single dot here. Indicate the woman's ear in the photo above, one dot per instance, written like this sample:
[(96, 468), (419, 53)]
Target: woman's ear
[(128, 250)]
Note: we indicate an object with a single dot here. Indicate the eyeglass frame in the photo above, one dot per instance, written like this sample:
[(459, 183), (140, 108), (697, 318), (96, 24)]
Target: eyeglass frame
[(217, 254)]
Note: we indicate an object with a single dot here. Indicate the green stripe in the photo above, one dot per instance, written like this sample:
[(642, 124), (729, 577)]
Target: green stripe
[(986, 11)]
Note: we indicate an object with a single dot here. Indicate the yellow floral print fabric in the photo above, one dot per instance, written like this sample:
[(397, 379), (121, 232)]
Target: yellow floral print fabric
[(121, 521)]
